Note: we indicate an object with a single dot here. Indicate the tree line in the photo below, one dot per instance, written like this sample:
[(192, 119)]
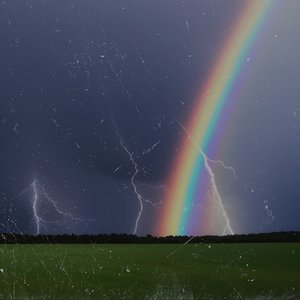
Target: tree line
[(274, 237)]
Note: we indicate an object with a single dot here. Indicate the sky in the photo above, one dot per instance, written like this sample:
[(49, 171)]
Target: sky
[(89, 94)]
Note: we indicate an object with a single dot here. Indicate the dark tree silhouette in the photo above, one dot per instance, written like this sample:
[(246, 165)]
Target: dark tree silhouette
[(274, 237)]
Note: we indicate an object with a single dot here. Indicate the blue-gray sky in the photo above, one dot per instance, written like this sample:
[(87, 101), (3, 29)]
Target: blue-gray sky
[(71, 69)]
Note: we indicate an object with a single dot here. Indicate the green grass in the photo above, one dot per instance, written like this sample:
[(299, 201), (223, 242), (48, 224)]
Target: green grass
[(230, 271)]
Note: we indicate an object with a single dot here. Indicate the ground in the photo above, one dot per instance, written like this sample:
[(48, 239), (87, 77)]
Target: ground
[(195, 271)]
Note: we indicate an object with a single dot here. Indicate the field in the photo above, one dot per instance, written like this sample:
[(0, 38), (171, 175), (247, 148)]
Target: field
[(194, 271)]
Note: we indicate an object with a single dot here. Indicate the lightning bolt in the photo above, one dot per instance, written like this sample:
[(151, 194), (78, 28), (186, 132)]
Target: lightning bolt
[(217, 196), (35, 198), (226, 167), (40, 193), (132, 180)]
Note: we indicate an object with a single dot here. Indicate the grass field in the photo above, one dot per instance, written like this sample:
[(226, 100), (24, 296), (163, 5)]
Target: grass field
[(217, 271)]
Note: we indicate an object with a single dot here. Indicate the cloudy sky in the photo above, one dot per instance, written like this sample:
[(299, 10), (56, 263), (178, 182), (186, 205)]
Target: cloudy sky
[(83, 80)]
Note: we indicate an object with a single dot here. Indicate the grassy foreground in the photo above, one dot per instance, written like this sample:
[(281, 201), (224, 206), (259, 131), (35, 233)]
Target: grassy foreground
[(216, 271)]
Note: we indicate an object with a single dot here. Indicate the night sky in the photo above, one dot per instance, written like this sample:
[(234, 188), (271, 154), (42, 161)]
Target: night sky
[(78, 78)]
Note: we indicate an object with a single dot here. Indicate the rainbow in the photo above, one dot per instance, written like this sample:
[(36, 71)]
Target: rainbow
[(188, 181)]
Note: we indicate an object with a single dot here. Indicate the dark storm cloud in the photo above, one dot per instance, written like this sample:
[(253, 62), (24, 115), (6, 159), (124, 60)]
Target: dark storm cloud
[(71, 69)]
